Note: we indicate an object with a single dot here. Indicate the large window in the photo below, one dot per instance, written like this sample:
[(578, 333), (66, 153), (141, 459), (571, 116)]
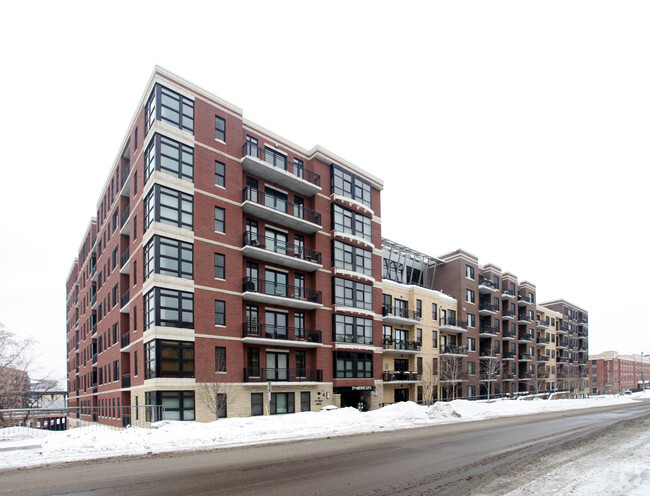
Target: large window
[(349, 329), (170, 157), (219, 128), (352, 293), (168, 257), (350, 185), (168, 206), (164, 358), (170, 107), (353, 365), (282, 403), (352, 258), (257, 404), (176, 405), (169, 308), (350, 222)]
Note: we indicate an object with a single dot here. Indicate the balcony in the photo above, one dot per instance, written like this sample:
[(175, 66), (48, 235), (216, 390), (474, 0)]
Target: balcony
[(543, 340), (525, 357), (400, 316), (582, 334), (543, 358), (509, 355), (125, 267), (124, 181), (281, 294), (401, 346), (508, 315), (583, 321), (487, 309), (563, 343), (524, 319), (563, 328), (125, 342), (256, 374), (488, 332), (272, 250), (509, 334), (485, 286), (124, 302), (126, 381), (454, 350), (488, 353), (402, 376), (524, 376), (523, 301), (264, 334), (280, 211), (542, 324), (274, 166), (449, 324), (124, 221), (562, 359), (525, 337), (507, 294), (508, 376)]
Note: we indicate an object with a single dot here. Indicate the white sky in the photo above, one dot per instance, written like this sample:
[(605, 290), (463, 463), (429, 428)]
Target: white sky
[(516, 130)]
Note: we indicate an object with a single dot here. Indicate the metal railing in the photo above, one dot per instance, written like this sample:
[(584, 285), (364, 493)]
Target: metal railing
[(252, 329), (452, 322), (125, 340), (453, 350), (281, 247), (124, 257), (124, 299), (525, 336), (401, 344), (125, 216), (488, 307), (280, 204), (401, 312), (402, 375), (493, 331), (279, 161), (255, 285), (258, 374)]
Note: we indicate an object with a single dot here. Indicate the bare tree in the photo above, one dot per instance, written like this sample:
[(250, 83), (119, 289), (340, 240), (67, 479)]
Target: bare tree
[(452, 374), (430, 381), (216, 394), (489, 372), (15, 358), (541, 376)]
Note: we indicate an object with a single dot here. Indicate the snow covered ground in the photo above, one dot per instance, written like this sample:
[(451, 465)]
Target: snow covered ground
[(29, 447)]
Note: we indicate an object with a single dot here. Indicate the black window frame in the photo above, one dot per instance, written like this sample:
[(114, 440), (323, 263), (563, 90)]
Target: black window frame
[(219, 174), (219, 128), (153, 206), (351, 362), (158, 250), (162, 103), (351, 222), (219, 266), (220, 223), (350, 185), (157, 158), (159, 353), (352, 329), (361, 296), (154, 309), (219, 312), (352, 258)]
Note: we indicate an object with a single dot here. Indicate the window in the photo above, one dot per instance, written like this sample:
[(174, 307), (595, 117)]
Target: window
[(349, 329), (352, 258), (257, 404), (352, 365), (177, 405), (219, 174), (219, 128), (219, 266), (471, 344), (470, 296), (222, 405), (169, 308), (275, 159), (114, 259), (282, 403), (219, 220), (298, 168), (220, 359), (350, 185), (471, 320), (418, 309), (168, 206), (350, 222), (305, 401), (169, 156), (170, 107), (471, 368), (114, 294), (434, 311), (469, 272), (168, 257), (352, 293), (165, 358), (219, 312)]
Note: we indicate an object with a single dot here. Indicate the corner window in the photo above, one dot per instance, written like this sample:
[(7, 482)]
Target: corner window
[(170, 107), (353, 365), (169, 308), (469, 272), (350, 222), (352, 293), (164, 358), (219, 128), (352, 258), (168, 257), (169, 156), (168, 206), (350, 185), (349, 329)]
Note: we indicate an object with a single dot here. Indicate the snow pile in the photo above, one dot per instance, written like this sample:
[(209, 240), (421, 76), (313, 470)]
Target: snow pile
[(24, 447)]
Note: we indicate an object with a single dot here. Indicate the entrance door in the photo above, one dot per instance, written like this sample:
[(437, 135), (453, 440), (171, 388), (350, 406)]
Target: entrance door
[(276, 325), (401, 395)]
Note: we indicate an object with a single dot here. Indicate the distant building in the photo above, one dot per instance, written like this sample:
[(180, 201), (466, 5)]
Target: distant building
[(14, 388), (612, 372)]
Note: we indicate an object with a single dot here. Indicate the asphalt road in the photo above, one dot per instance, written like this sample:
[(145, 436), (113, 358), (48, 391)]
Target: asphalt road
[(450, 459)]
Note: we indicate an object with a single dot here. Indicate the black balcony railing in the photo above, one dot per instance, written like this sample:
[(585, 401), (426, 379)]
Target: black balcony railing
[(280, 204), (282, 247), (509, 333), (351, 338), (509, 354), (454, 350), (279, 161), (482, 281), (125, 340), (524, 299), (402, 375), (126, 381), (543, 340), (124, 299), (488, 307), (487, 352), (401, 344), (452, 322), (508, 313), (508, 293), (255, 330), (524, 317), (124, 257), (404, 313), (525, 356), (257, 374), (542, 358), (125, 216), (493, 331), (125, 176), (271, 288), (524, 375), (525, 336), (94, 358)]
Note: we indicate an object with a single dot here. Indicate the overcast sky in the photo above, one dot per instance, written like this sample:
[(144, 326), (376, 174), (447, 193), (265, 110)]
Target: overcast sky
[(515, 130)]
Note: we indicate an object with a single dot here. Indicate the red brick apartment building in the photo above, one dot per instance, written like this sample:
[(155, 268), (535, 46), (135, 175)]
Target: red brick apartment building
[(224, 260), (231, 272), (613, 373)]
